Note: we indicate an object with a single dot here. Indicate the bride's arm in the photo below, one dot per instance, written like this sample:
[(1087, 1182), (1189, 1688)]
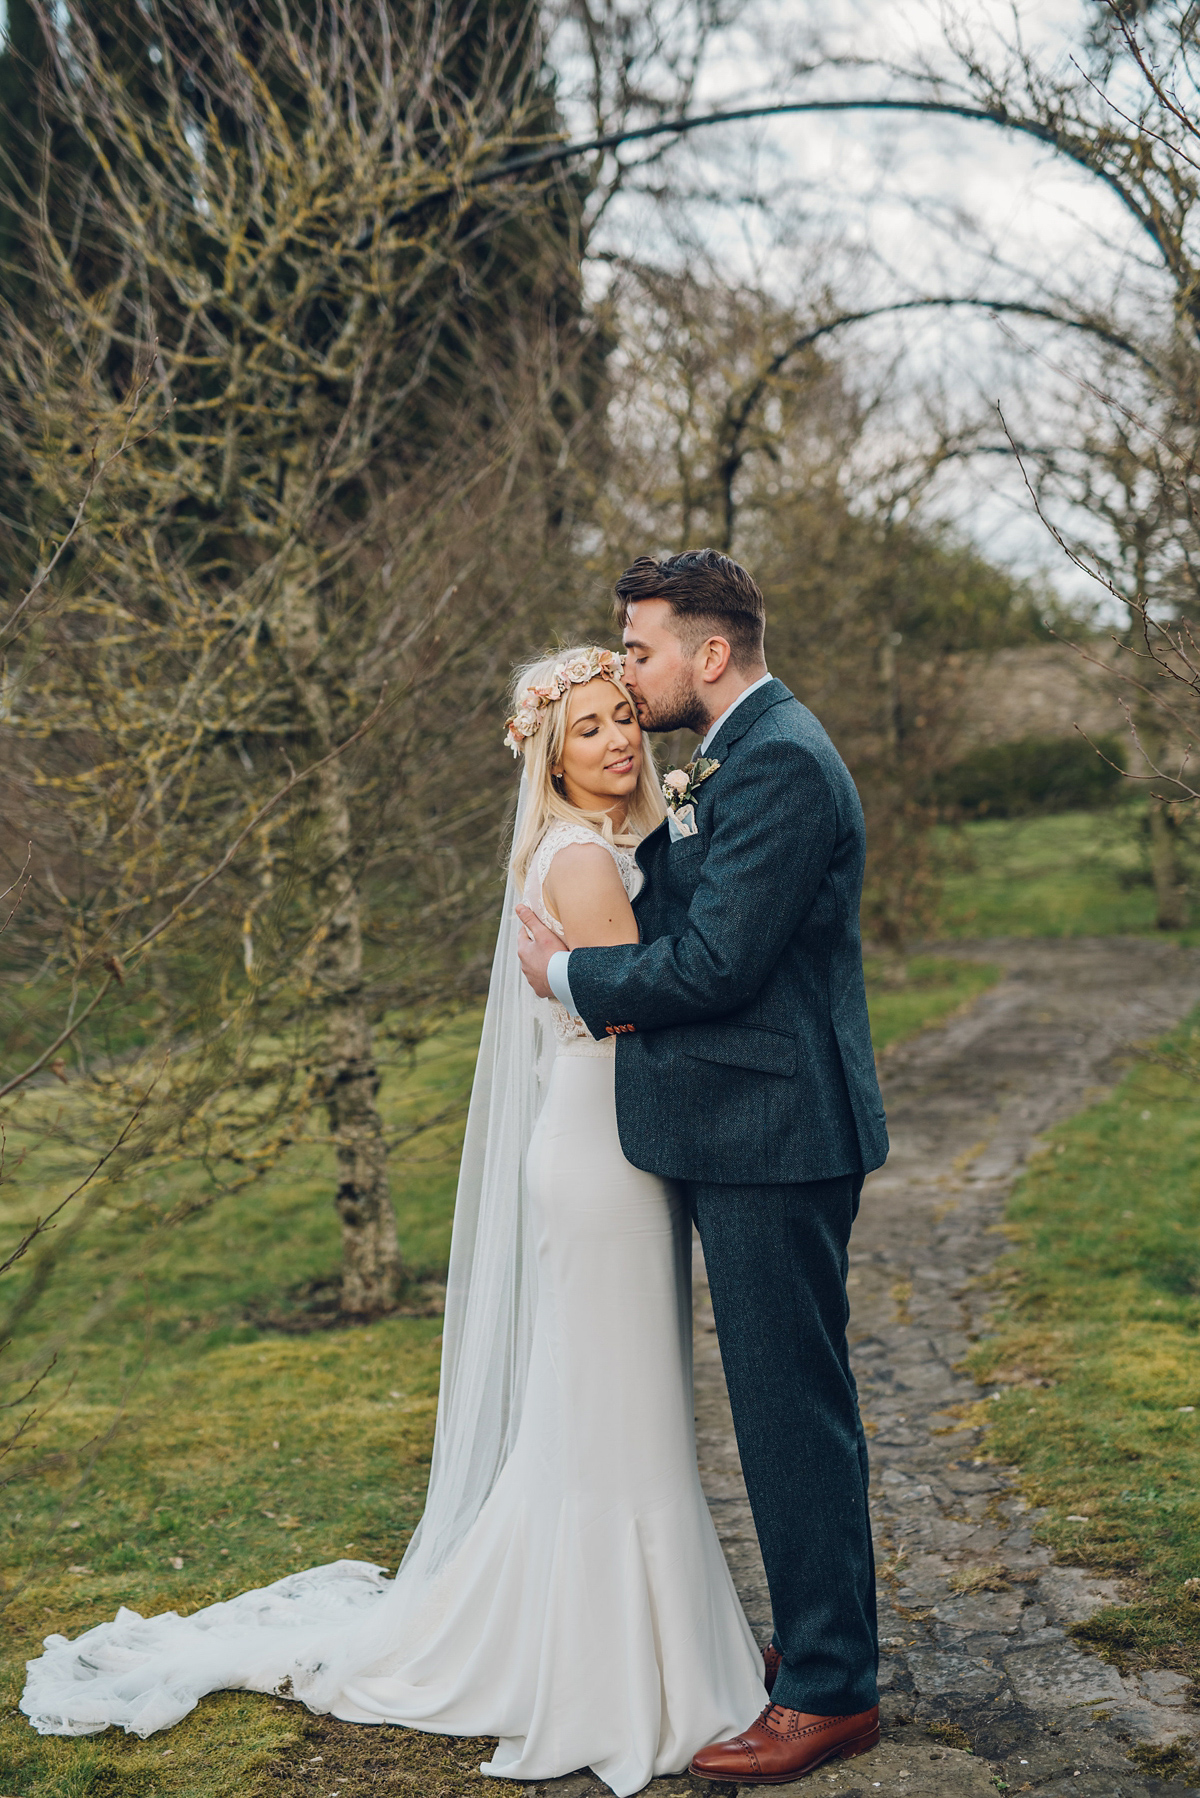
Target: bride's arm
[(585, 893)]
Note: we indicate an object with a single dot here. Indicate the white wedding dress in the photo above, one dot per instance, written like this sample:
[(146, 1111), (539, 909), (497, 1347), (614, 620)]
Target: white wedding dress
[(585, 1614)]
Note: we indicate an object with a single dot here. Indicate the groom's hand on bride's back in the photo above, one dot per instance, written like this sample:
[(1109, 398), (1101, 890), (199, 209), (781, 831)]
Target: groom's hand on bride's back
[(535, 946)]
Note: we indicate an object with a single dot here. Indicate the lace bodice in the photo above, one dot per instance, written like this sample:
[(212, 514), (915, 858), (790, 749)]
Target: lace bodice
[(572, 1034)]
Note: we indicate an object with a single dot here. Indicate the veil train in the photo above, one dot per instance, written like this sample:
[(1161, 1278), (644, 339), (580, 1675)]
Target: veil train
[(313, 1634)]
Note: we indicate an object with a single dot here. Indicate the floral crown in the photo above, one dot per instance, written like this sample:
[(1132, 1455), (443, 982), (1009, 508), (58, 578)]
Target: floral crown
[(527, 718)]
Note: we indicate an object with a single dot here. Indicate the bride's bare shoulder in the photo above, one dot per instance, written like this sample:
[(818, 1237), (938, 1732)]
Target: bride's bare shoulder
[(583, 887), (561, 838), (572, 855), (583, 861)]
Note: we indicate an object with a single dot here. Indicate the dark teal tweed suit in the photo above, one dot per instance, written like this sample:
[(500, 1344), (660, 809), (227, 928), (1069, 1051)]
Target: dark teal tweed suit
[(748, 1076), (751, 1055)]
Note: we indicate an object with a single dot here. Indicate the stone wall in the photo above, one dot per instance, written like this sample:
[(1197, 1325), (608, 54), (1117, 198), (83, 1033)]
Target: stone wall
[(1043, 690)]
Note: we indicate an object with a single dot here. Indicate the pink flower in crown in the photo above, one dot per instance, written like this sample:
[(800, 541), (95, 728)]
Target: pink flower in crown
[(527, 717)]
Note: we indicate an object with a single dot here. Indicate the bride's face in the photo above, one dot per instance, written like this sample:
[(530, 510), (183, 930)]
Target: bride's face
[(602, 755)]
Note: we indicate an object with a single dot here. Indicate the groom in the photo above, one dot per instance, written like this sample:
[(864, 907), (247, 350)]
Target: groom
[(744, 1072)]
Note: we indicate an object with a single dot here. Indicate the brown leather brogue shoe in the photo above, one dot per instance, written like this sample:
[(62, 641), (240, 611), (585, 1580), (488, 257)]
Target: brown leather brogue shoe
[(785, 1745), (772, 1662)]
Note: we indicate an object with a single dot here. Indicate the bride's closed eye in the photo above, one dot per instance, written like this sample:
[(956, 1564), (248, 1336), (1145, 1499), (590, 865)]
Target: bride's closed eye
[(625, 717)]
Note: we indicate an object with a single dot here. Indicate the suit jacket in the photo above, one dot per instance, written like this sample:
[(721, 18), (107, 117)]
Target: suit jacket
[(743, 1046)]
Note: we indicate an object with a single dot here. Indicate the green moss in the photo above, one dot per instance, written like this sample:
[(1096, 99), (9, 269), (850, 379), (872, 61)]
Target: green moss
[(1175, 1761), (950, 1735)]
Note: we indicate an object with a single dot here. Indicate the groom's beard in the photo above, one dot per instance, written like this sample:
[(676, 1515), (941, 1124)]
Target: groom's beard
[(678, 709)]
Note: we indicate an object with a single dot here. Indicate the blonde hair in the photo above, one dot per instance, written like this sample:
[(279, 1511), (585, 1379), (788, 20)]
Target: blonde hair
[(542, 751)]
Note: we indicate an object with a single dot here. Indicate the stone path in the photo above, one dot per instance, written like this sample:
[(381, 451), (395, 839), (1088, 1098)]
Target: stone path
[(992, 1667)]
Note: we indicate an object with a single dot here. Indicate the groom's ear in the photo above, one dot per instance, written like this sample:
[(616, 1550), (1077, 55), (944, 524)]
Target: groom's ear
[(713, 657)]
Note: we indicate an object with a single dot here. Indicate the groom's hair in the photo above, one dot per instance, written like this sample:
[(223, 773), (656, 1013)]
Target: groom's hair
[(709, 594)]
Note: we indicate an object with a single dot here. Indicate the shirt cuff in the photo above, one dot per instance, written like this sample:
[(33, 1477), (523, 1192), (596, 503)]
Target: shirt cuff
[(556, 975)]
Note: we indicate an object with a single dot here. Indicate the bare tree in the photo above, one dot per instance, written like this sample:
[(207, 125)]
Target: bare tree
[(31, 1390), (1126, 110), (1121, 498), (733, 428), (370, 379)]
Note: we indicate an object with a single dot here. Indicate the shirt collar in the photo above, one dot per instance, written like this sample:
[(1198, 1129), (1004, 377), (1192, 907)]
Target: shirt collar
[(716, 724)]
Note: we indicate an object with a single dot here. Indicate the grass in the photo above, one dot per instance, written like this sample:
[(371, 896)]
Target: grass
[(241, 1452), (237, 1448), (1096, 1354), (1070, 874), (905, 997), (233, 1467)]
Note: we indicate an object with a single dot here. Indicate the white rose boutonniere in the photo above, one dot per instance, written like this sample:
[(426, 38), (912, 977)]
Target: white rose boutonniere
[(679, 791), (679, 786)]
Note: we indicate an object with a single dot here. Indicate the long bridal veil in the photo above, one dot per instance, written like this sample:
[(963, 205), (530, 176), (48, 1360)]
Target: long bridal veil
[(313, 1633), (491, 1285)]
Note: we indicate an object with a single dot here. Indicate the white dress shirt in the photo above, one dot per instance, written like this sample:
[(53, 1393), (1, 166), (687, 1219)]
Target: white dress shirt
[(557, 968)]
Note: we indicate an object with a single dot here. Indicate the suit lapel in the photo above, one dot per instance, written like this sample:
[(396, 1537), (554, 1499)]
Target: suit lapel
[(735, 727), (645, 852)]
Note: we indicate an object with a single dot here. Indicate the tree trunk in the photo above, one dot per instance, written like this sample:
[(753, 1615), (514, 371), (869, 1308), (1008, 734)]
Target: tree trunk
[(372, 1270), (889, 688), (1170, 888), (371, 1267)]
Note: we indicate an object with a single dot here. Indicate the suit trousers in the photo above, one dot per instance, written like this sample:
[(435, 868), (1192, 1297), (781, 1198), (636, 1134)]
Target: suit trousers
[(777, 1258)]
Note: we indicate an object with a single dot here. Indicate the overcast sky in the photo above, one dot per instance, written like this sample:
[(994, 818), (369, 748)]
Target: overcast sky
[(897, 206)]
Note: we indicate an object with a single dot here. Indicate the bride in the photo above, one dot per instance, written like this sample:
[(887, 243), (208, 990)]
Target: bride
[(565, 1590)]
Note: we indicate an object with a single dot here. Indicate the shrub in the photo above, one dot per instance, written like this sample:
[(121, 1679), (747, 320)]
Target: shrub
[(1036, 774)]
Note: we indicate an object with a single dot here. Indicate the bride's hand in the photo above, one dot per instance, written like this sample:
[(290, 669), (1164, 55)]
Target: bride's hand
[(535, 946)]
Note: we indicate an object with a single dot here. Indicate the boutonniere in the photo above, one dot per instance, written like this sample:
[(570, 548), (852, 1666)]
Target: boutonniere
[(679, 786)]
